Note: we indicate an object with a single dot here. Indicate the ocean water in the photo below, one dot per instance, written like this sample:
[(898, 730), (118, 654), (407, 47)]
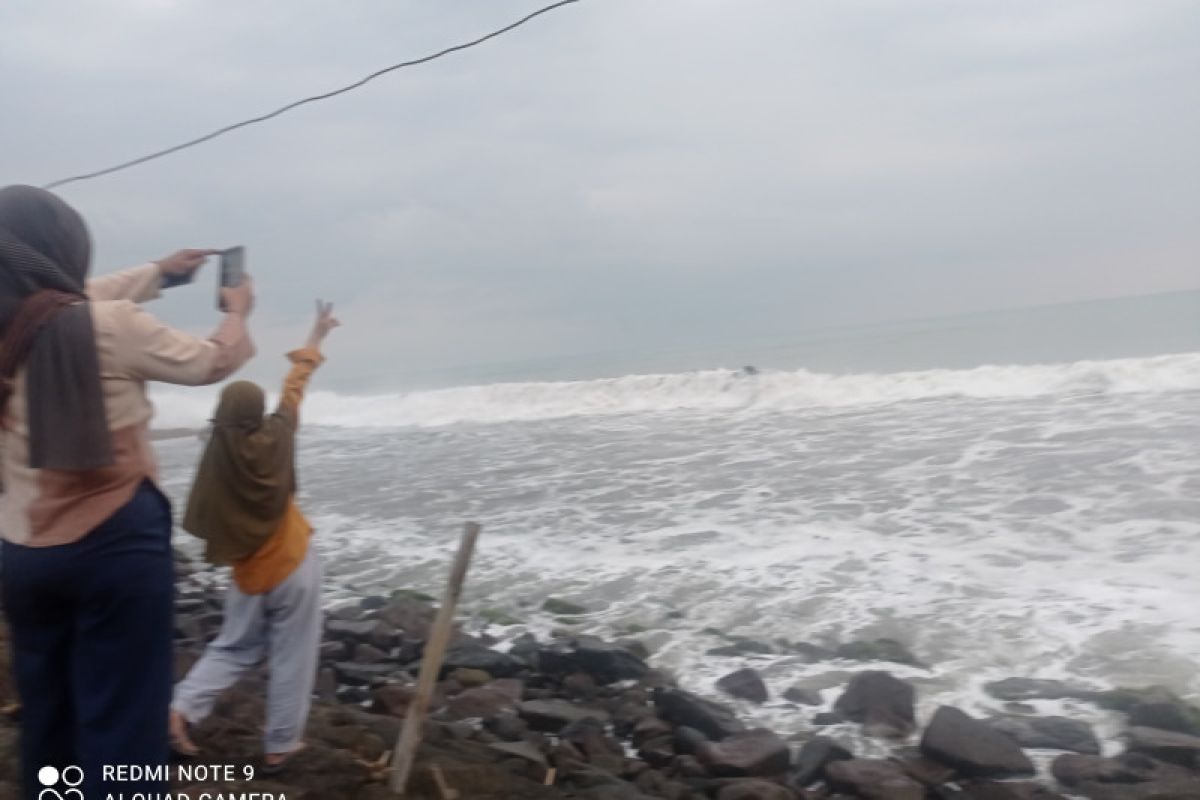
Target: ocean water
[(1013, 494)]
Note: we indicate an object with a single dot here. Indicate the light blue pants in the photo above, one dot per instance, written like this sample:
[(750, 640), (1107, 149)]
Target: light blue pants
[(284, 627)]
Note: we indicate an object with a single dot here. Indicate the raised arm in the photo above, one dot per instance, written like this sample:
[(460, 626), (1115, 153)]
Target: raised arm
[(304, 363), (153, 351), (144, 283)]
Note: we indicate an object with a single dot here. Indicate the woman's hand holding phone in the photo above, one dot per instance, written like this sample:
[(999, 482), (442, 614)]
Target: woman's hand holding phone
[(238, 299)]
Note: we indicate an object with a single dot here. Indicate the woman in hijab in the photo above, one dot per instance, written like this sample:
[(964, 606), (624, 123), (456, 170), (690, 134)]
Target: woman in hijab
[(243, 506), (87, 566)]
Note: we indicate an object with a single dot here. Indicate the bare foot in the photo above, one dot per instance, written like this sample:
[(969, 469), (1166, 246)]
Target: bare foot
[(181, 742)]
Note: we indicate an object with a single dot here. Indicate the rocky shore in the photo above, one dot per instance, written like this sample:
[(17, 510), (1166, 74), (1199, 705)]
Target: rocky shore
[(575, 716)]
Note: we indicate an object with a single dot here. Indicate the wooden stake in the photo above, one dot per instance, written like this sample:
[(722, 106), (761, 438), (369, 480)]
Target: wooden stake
[(431, 663), (443, 787), (551, 774)]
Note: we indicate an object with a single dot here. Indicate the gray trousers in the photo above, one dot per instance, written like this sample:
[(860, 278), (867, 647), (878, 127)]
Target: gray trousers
[(284, 627)]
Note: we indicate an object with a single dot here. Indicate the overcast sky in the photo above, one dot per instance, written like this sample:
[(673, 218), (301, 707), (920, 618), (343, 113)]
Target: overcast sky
[(630, 175)]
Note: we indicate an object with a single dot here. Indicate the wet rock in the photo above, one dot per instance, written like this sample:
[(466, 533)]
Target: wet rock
[(684, 708), (392, 699), (368, 654), (1077, 770), (1018, 689), (742, 647), (878, 650), (754, 790), (827, 718), (659, 751), (412, 616), (1048, 733), (648, 728), (327, 685), (362, 674), (481, 702), (744, 684), (605, 663), (477, 657), (507, 726), (1178, 789), (333, 651), (1155, 707), (971, 747), (812, 653), (884, 704), (803, 696), (470, 678), (814, 756), (563, 608), (921, 769), (873, 780), (992, 790), (552, 716), (1169, 746), (353, 630), (753, 753)]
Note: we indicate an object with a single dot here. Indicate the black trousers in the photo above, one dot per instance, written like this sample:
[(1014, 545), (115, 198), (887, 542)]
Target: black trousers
[(92, 625)]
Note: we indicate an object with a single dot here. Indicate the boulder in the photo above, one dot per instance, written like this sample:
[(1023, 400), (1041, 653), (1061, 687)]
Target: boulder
[(684, 708), (470, 678), (362, 674), (470, 655), (744, 684), (353, 630), (753, 753), (1077, 770), (1169, 746), (480, 702), (802, 695), (1048, 733), (814, 756), (884, 704), (993, 790), (873, 780), (754, 790), (971, 747), (605, 663), (551, 716), (878, 650)]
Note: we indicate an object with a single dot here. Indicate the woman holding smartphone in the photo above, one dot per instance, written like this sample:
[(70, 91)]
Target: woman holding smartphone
[(87, 565), (243, 505)]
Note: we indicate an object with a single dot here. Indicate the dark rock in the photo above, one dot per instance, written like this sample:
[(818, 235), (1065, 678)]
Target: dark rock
[(481, 702), (878, 650), (1187, 788), (873, 780), (992, 790), (811, 653), (470, 678), (885, 705), (803, 696), (648, 728), (579, 686), (753, 753), (658, 752), (814, 756), (1169, 746), (326, 686), (1019, 689), (754, 790), (552, 716), (971, 747), (605, 663), (684, 708), (1076, 770), (525, 750), (362, 674), (354, 630), (744, 684), (1155, 707), (412, 616), (372, 603), (562, 608), (921, 769), (508, 727), (826, 718), (1048, 733), (742, 647), (392, 699), (333, 651), (368, 654), (474, 656)]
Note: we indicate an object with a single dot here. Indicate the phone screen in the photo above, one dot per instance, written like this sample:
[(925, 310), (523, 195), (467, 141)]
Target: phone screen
[(233, 269)]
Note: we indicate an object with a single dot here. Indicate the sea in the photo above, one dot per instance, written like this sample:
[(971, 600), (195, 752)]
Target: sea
[(1012, 493)]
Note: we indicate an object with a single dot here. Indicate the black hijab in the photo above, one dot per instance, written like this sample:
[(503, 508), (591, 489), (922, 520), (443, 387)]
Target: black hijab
[(46, 326)]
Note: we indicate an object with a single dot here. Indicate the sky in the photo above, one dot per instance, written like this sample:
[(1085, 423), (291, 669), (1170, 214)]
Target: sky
[(620, 175)]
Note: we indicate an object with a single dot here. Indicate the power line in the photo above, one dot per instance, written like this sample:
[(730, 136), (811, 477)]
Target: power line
[(228, 128)]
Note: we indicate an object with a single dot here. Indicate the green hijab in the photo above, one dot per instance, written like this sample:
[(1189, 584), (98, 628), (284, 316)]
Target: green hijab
[(246, 477)]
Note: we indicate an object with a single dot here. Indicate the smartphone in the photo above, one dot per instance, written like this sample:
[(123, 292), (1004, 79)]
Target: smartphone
[(233, 271)]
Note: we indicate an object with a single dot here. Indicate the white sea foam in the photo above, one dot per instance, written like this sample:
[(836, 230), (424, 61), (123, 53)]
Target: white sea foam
[(712, 390)]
